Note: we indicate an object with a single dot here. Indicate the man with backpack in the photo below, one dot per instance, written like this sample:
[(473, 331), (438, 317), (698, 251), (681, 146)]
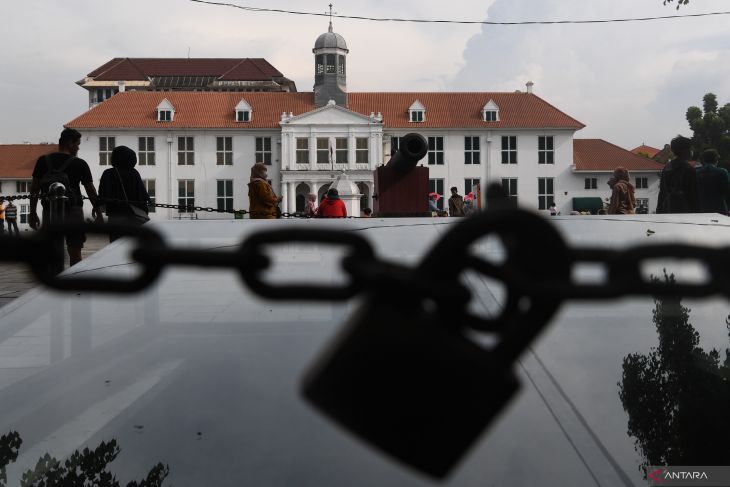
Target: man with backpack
[(678, 183), (65, 168)]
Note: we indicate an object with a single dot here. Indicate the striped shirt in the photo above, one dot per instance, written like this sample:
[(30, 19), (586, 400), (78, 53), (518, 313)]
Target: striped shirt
[(11, 213)]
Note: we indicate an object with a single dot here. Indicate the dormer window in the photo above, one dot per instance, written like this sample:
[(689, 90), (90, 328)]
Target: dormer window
[(243, 112), (490, 112), (417, 112), (165, 111)]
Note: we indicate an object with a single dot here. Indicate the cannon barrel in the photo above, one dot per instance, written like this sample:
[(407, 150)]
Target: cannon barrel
[(413, 148)]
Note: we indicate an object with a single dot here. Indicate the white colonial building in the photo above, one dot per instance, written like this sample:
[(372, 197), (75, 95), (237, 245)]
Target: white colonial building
[(197, 147)]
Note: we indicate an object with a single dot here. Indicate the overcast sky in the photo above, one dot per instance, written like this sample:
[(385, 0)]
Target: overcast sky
[(628, 82)]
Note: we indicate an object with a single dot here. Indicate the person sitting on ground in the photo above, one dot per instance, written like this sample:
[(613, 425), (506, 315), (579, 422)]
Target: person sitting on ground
[(433, 202), (122, 182), (678, 183), (332, 206), (622, 201), (367, 213), (310, 208), (469, 204), (713, 184), (263, 204), (456, 203)]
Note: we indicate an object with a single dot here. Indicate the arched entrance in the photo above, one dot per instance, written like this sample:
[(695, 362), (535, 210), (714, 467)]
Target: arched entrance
[(302, 191), (322, 191), (365, 192)]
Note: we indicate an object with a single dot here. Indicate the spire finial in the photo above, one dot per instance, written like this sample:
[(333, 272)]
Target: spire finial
[(331, 13)]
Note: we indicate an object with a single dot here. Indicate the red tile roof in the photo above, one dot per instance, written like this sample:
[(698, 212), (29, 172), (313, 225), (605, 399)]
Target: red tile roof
[(645, 149), (137, 109), (599, 155), (18, 160), (140, 69)]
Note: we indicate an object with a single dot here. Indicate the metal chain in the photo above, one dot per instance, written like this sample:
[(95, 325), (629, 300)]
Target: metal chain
[(524, 276)]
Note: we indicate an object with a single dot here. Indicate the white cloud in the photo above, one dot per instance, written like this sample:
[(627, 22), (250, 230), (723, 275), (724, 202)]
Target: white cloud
[(628, 82)]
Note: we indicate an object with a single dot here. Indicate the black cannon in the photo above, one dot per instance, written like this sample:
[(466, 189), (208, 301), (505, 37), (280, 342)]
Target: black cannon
[(401, 186)]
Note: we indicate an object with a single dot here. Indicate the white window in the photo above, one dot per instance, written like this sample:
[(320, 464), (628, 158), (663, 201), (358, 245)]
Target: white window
[(510, 187), (361, 150), (437, 186), (149, 185), (323, 150), (545, 150), (490, 115), (471, 150), (22, 186), (146, 151), (436, 151), (225, 194), (331, 63), (186, 194), (302, 151), (224, 151), (24, 211), (394, 144), (417, 116), (591, 183), (185, 151), (341, 150), (642, 183), (509, 149), (165, 111), (470, 185), (320, 64), (243, 112), (263, 150), (417, 112), (545, 193), (106, 146), (490, 112), (642, 203)]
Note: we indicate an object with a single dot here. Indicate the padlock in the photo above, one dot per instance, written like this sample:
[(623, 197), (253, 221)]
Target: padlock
[(406, 377), (408, 383)]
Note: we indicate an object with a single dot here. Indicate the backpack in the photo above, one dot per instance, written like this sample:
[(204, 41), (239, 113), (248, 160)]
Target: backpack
[(57, 175)]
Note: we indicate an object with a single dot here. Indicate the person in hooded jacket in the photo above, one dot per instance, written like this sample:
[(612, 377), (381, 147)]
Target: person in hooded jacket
[(622, 201), (263, 204), (332, 206), (123, 182)]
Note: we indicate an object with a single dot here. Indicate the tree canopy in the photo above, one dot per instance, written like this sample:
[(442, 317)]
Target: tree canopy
[(711, 127)]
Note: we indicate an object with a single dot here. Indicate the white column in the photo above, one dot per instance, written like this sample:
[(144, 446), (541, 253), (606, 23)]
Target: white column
[(284, 194), (312, 153), (351, 151), (292, 207)]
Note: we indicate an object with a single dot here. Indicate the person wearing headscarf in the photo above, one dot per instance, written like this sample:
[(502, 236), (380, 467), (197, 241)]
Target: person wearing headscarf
[(262, 201), (122, 182), (332, 206), (622, 201), (310, 209)]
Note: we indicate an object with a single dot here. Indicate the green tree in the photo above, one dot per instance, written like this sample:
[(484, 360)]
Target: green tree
[(710, 127)]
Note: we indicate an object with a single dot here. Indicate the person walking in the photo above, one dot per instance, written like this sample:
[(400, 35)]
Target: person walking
[(713, 185), (263, 204), (332, 206), (77, 172), (456, 203), (678, 183), (11, 218), (122, 182), (623, 201)]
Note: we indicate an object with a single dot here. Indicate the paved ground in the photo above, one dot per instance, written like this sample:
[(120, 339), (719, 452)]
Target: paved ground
[(16, 279)]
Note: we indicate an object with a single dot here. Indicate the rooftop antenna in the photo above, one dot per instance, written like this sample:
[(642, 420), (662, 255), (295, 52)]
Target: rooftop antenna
[(331, 13)]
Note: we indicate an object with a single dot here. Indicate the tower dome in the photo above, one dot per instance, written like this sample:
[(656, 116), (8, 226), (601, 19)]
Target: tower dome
[(330, 68)]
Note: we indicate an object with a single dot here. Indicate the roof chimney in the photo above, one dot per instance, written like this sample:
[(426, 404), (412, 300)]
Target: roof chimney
[(530, 84)]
